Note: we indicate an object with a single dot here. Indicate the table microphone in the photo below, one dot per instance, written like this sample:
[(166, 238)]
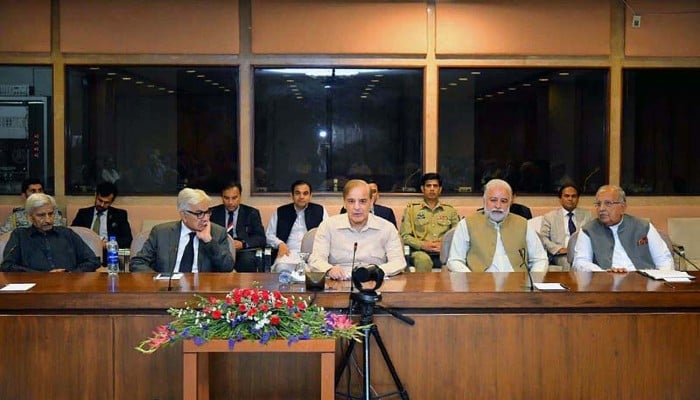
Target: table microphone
[(352, 266), (680, 251), (521, 251), (172, 270)]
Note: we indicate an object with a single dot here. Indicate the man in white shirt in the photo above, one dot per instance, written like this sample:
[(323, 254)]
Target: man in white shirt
[(558, 225), (357, 237), (496, 240), (291, 221), (616, 242)]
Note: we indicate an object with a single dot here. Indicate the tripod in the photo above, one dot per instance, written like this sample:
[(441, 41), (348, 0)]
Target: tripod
[(367, 300)]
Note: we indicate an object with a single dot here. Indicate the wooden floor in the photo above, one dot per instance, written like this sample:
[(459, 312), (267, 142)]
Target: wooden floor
[(476, 336)]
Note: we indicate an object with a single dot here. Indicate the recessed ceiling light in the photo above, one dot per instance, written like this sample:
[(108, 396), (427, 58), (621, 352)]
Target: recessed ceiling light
[(464, 78), (476, 73), (201, 76), (368, 89), (452, 83), (443, 88), (126, 78), (544, 79), (363, 97), (207, 80), (564, 74), (111, 73), (379, 75), (94, 68), (215, 83), (190, 71), (512, 89), (227, 90), (161, 88), (500, 92), (488, 96), (374, 80), (171, 91), (151, 85), (290, 80), (526, 85)]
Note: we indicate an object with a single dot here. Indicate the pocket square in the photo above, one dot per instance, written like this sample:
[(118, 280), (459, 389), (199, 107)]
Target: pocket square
[(643, 241)]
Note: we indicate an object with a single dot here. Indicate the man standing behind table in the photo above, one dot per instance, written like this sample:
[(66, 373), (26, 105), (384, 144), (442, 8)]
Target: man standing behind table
[(104, 219), (377, 209), (376, 239), (242, 223), (192, 244), (291, 221), (425, 223), (618, 242), (43, 247), (496, 240), (558, 225), (18, 218)]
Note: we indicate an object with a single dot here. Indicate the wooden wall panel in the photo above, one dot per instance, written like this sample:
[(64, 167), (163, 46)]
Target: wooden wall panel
[(154, 26), (668, 28), (339, 27), (532, 27), (25, 25)]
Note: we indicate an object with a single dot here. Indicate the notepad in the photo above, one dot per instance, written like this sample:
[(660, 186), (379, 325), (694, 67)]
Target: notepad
[(18, 287), (665, 274), (550, 286), (166, 276)]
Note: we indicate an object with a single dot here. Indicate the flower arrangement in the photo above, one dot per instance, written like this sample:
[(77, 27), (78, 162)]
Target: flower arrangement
[(250, 314)]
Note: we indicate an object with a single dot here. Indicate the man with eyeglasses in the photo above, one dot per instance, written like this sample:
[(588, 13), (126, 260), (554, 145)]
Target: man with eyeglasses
[(619, 242), (192, 244), (43, 247), (104, 219), (19, 217)]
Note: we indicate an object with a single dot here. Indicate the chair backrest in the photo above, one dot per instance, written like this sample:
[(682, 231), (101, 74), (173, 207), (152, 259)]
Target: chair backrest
[(148, 224), (231, 247), (307, 243), (138, 241), (446, 244), (4, 238), (91, 239), (686, 232), (570, 248), (535, 223)]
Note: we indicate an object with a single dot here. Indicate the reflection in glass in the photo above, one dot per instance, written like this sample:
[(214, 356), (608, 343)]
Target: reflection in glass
[(660, 131), (152, 130), (534, 127), (327, 125)]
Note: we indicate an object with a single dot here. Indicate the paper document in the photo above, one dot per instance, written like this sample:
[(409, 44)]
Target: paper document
[(671, 279), (550, 286), (18, 287), (665, 274), (166, 276)]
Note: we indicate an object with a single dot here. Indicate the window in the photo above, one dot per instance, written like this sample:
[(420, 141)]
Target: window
[(660, 131), (26, 127), (536, 128), (327, 125), (152, 130)]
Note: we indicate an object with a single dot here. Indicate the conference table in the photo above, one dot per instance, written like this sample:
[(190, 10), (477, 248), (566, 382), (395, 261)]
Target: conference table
[(476, 336)]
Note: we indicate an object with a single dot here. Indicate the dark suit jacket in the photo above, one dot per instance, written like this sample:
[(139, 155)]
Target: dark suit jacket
[(117, 223), (249, 227), (159, 253), (380, 211)]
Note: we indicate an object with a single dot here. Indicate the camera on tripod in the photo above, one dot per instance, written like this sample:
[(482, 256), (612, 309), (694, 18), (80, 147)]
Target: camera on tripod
[(362, 275)]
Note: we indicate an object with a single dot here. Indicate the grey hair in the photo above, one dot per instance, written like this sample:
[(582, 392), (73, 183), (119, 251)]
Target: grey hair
[(496, 183), (620, 192), (190, 197), (37, 200)]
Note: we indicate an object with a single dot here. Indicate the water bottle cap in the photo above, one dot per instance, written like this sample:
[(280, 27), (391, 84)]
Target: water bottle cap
[(112, 238)]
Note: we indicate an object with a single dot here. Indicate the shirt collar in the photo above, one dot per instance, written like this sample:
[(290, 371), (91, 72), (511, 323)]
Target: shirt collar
[(184, 230), (372, 223)]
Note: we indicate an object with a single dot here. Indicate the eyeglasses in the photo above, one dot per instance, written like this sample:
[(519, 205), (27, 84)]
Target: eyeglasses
[(606, 203), (199, 214)]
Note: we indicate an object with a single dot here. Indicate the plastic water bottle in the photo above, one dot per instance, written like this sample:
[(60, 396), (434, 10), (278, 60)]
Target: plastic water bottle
[(112, 256), (267, 259)]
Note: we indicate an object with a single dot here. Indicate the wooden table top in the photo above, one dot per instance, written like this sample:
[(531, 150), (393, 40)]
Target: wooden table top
[(449, 292)]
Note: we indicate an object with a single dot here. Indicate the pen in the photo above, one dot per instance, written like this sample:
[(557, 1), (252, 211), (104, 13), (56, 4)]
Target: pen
[(564, 286), (669, 285)]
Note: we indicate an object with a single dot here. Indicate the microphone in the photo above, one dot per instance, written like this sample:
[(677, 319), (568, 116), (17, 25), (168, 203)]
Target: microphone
[(172, 269), (352, 266), (523, 257), (680, 252)]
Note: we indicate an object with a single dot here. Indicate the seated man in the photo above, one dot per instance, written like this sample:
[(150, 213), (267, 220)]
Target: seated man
[(243, 224), (104, 219), (18, 218), (558, 225), (616, 242), (192, 244), (376, 209), (43, 247), (495, 240), (359, 235), (424, 224), (291, 221)]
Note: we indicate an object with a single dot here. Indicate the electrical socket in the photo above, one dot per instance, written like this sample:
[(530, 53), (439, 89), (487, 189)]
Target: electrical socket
[(636, 21)]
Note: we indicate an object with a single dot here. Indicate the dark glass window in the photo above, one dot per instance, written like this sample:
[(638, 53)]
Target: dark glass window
[(151, 129), (329, 125), (534, 127), (26, 127), (660, 131)]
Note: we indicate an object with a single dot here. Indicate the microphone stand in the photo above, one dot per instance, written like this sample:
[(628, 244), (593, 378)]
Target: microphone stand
[(172, 270), (680, 251), (527, 268)]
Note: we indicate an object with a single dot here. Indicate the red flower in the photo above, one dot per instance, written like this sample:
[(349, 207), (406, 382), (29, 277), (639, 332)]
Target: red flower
[(265, 295), (216, 314), (290, 303), (297, 315), (255, 297), (213, 300), (252, 312), (302, 306), (229, 300), (278, 304), (264, 307), (277, 294), (242, 308), (275, 320)]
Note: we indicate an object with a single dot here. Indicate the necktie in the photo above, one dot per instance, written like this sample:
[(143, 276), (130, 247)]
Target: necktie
[(229, 225), (188, 255), (96, 223), (572, 227)]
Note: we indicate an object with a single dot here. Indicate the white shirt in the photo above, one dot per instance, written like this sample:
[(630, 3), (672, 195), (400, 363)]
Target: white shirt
[(184, 239), (103, 223), (583, 252), (295, 236), (537, 257)]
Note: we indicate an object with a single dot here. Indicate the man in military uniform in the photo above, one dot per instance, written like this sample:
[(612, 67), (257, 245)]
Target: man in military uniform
[(19, 218), (425, 223)]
